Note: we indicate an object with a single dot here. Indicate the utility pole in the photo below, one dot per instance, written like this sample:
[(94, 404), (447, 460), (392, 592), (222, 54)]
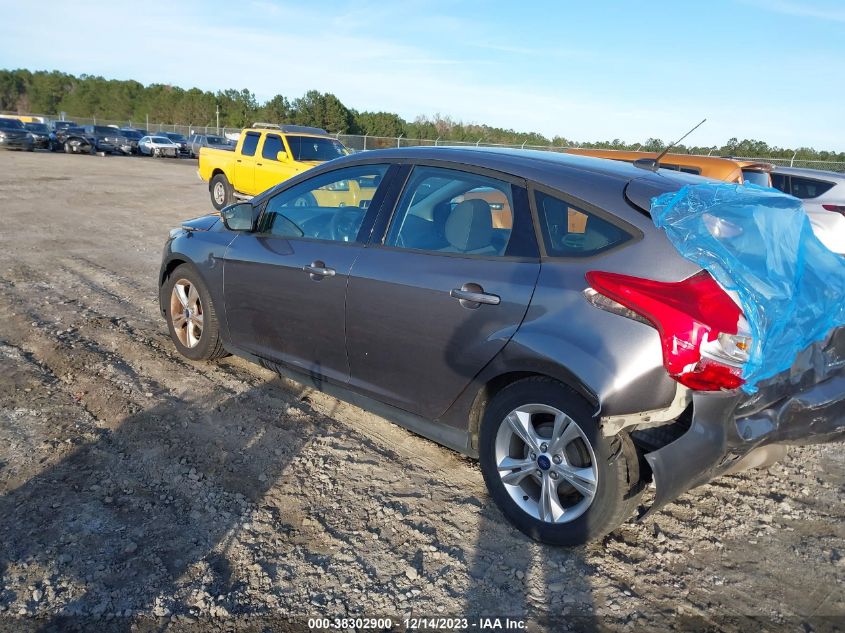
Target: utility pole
[(148, 122), (218, 118)]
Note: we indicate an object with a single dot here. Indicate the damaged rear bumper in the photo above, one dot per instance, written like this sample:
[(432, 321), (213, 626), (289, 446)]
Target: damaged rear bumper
[(732, 431)]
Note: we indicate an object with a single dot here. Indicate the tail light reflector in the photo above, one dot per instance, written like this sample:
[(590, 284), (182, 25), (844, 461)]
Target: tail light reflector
[(701, 329), (836, 208)]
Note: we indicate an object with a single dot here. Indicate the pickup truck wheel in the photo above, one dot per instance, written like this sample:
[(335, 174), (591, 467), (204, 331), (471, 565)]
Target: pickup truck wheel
[(221, 190), (549, 468), (191, 316)]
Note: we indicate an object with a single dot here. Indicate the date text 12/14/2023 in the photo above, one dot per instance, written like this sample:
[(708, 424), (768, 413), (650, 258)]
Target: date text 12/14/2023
[(420, 623)]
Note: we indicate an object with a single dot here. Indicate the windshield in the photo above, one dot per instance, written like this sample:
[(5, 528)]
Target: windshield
[(756, 177), (37, 127), (217, 140), (11, 124), (176, 137), (58, 125), (75, 130), (131, 134), (313, 148), (161, 139), (104, 129)]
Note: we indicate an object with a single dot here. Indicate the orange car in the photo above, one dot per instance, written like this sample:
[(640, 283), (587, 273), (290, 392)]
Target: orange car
[(726, 169)]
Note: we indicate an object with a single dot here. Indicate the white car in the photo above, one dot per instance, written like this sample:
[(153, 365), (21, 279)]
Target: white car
[(158, 146), (823, 195)]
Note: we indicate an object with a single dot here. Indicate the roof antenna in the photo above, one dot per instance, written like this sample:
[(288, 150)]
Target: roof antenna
[(653, 164)]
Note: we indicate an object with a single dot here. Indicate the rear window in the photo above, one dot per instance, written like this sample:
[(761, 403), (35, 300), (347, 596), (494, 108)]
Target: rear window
[(806, 188), (315, 148), (11, 124), (756, 177), (250, 143), (683, 168), (569, 231)]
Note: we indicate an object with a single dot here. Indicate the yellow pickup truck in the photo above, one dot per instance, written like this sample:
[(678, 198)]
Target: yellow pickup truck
[(265, 155)]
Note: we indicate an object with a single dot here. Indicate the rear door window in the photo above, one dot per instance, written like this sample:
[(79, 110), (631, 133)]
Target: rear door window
[(250, 143), (450, 211), (569, 231)]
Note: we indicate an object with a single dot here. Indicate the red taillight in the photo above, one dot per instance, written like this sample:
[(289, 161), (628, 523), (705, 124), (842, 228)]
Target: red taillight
[(697, 321), (836, 208)]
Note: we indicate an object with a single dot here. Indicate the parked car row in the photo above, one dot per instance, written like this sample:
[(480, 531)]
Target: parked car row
[(71, 138)]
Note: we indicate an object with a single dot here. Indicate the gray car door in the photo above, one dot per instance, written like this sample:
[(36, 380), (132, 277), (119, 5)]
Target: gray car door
[(439, 295), (285, 283)]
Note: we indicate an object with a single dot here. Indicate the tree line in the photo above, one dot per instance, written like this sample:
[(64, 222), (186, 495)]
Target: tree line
[(51, 92)]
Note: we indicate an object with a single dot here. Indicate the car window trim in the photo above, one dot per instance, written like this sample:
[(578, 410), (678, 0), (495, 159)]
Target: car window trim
[(369, 217), (378, 240), (635, 233)]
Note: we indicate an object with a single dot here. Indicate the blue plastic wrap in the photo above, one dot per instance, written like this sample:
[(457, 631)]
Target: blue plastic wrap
[(759, 243)]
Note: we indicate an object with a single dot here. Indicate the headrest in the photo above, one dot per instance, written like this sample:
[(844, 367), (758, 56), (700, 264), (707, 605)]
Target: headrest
[(470, 225)]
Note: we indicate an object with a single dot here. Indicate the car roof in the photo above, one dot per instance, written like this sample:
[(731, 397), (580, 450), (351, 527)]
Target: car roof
[(530, 164), (811, 173), (619, 187)]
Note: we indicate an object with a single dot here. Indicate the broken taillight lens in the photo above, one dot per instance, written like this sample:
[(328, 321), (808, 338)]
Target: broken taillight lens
[(702, 331)]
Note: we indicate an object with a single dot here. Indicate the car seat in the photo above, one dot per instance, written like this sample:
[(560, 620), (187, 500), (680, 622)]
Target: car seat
[(469, 229)]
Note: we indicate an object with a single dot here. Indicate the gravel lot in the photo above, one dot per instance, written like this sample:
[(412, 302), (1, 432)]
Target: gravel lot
[(140, 491)]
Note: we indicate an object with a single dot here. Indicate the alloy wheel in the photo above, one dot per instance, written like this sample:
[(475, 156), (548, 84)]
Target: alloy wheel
[(219, 193), (546, 463), (186, 313)]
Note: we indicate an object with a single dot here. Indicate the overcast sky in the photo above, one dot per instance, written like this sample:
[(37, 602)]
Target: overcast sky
[(770, 70)]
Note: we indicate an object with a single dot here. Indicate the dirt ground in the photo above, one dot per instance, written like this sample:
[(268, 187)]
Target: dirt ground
[(140, 491)]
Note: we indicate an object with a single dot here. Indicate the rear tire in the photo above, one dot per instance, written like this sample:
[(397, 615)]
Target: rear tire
[(191, 315), (592, 479), (222, 193)]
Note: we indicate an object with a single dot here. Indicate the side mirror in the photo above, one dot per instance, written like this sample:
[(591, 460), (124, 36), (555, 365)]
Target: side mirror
[(282, 157), (238, 217)]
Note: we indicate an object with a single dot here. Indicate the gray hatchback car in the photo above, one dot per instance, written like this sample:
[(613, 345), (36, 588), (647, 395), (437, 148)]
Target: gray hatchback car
[(519, 307)]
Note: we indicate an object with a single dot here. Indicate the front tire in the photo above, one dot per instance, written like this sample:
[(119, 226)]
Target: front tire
[(191, 316), (222, 193), (549, 468)]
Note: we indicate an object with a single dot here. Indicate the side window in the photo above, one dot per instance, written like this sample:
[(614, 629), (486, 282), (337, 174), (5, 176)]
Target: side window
[(806, 188), (780, 182), (329, 206), (250, 143), (272, 146), (572, 232), (450, 211)]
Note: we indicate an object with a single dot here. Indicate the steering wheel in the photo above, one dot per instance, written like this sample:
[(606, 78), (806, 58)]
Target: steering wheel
[(345, 224)]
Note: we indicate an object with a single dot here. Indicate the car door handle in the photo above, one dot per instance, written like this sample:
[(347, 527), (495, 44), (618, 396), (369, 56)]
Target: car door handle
[(474, 294), (319, 269), (238, 160)]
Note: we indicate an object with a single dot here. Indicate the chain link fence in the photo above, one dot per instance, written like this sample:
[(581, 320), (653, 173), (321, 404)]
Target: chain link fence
[(361, 143)]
